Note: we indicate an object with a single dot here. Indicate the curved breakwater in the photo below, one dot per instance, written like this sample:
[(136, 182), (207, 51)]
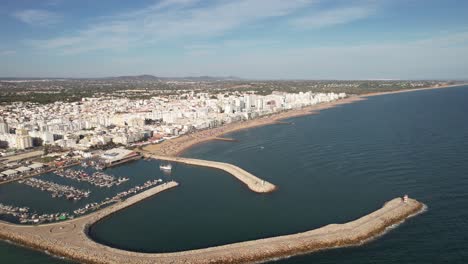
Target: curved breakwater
[(70, 239), (254, 183)]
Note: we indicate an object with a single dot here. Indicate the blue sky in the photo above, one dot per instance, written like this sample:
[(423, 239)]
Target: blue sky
[(263, 39)]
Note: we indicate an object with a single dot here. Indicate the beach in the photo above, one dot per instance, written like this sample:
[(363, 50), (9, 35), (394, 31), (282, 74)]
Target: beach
[(177, 146), (332, 236)]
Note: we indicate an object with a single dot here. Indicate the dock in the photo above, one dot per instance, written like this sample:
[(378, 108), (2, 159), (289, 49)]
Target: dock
[(69, 239), (254, 183), (123, 161)]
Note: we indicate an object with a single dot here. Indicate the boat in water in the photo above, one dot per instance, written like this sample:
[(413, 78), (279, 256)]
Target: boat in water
[(166, 167)]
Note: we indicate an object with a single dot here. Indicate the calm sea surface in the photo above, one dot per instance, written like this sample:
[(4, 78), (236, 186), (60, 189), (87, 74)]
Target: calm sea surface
[(330, 168)]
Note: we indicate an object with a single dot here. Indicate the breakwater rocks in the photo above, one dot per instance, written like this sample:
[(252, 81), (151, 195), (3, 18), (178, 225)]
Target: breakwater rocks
[(254, 183), (70, 238)]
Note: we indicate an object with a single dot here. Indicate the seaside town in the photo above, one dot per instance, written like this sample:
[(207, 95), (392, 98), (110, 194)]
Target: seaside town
[(251, 131), (103, 123), (79, 140), (65, 138)]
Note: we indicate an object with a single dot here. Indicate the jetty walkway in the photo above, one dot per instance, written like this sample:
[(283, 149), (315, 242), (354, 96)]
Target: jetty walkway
[(254, 183), (70, 239)]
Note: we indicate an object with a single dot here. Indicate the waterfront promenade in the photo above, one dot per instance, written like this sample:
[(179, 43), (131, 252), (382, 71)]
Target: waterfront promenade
[(254, 183), (69, 239)]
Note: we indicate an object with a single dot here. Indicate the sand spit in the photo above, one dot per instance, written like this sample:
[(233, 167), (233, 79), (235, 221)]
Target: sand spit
[(69, 239), (413, 90), (255, 184)]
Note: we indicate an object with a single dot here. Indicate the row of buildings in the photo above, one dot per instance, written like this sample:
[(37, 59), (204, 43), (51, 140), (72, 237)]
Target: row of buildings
[(100, 121)]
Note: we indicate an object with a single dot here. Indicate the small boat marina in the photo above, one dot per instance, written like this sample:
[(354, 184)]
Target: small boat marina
[(25, 215), (99, 179), (75, 191), (56, 190), (121, 195)]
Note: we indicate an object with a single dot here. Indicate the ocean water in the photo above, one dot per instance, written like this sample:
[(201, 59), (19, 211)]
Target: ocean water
[(330, 168), (42, 202)]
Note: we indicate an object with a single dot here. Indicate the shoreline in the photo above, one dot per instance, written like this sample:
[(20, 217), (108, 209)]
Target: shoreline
[(72, 241), (178, 146), (265, 252), (413, 90)]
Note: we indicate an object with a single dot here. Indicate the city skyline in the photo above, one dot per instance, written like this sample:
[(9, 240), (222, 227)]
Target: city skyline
[(254, 39)]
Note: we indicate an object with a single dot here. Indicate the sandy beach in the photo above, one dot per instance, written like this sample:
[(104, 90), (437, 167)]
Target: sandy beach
[(177, 146), (412, 90)]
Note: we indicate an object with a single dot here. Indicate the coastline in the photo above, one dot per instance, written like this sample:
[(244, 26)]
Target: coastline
[(413, 90), (177, 146), (70, 239), (265, 252)]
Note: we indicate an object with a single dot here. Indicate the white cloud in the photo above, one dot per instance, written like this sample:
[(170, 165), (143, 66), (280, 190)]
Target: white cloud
[(36, 17), (171, 19), (333, 17)]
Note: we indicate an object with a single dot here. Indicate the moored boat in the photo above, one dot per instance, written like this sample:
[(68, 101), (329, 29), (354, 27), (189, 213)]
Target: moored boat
[(166, 167)]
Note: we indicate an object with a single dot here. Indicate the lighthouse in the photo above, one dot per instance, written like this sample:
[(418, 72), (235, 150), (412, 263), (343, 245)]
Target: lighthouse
[(405, 198)]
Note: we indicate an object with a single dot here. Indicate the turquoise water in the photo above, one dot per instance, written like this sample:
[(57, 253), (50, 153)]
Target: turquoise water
[(330, 168)]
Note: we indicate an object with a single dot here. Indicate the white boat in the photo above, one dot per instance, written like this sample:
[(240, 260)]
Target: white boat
[(167, 167)]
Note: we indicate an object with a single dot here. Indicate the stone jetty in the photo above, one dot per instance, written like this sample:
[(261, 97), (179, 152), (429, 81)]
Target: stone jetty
[(70, 239), (254, 183)]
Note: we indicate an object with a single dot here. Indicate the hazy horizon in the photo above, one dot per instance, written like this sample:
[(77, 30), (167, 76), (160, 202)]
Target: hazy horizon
[(240, 78)]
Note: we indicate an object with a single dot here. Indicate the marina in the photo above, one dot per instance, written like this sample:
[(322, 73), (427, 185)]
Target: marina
[(57, 190), (329, 182), (98, 179), (121, 195), (15, 211), (26, 215)]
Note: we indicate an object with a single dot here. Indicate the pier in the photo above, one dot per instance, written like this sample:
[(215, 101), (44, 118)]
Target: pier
[(70, 239), (254, 183)]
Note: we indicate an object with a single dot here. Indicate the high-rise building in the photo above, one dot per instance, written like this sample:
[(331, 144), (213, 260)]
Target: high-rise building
[(22, 132), (24, 142), (23, 139)]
